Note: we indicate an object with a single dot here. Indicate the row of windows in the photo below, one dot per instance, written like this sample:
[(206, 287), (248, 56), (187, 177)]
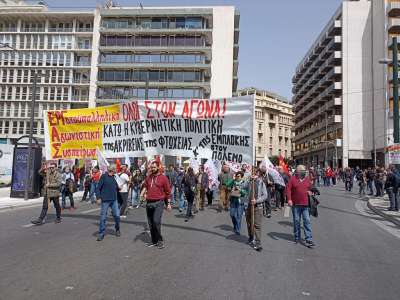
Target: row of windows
[(48, 58), (153, 40), (151, 58), (40, 27), (23, 110), (129, 93), (26, 76), (35, 41), (24, 93), (20, 127), (156, 75), (154, 23)]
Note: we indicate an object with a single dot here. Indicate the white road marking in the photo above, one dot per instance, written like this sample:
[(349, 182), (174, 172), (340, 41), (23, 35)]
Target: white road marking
[(90, 210), (305, 293), (362, 207), (299, 259), (69, 288)]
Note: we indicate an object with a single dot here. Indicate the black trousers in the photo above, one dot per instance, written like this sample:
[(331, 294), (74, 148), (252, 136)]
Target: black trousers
[(45, 207), (190, 199), (154, 211), (85, 194), (124, 203), (279, 197), (209, 195)]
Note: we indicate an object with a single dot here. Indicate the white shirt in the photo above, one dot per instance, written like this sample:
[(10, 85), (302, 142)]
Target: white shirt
[(123, 185)]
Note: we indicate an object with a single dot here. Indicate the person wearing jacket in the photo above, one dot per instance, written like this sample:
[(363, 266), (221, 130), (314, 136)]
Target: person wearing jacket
[(257, 194), (391, 188), (107, 196), (223, 178), (158, 190), (298, 190), (238, 193), (50, 191), (68, 179), (202, 187), (189, 183)]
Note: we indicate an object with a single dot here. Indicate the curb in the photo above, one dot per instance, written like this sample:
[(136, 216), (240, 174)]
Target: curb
[(382, 214)]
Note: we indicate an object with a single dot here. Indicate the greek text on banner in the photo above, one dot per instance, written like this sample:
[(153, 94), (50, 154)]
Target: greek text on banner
[(219, 129)]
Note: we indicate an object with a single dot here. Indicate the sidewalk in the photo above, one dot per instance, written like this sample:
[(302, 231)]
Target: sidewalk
[(6, 202), (380, 206)]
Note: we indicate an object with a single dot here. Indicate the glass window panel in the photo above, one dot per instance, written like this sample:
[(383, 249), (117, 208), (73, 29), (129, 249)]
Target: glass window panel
[(180, 22), (154, 76), (194, 22)]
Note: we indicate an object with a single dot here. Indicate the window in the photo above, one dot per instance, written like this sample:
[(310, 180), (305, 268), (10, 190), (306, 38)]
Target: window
[(259, 150), (6, 127), (21, 127), (259, 126)]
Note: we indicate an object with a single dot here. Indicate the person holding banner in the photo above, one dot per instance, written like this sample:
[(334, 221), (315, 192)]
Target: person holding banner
[(157, 189), (257, 195), (106, 193), (50, 192)]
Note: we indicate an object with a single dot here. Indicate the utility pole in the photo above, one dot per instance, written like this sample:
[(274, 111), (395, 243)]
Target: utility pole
[(395, 92), (29, 173), (146, 91), (326, 138)]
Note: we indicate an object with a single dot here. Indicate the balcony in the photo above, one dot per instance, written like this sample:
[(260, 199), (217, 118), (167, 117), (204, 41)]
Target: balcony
[(393, 9), (84, 29), (394, 25), (55, 29)]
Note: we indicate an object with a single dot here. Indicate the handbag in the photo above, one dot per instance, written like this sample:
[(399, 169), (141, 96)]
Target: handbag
[(72, 188), (235, 193), (286, 211)]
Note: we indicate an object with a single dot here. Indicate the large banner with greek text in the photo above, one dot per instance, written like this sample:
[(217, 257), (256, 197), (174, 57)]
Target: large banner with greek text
[(219, 129)]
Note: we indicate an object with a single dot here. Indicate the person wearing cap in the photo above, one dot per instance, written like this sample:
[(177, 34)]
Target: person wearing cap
[(107, 196), (298, 190), (157, 189)]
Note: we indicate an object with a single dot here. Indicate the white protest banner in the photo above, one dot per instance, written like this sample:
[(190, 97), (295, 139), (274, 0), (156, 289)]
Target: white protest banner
[(102, 161), (211, 170), (218, 129), (267, 165)]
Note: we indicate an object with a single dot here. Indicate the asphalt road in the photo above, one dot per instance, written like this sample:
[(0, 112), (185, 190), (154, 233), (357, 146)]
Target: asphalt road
[(354, 258)]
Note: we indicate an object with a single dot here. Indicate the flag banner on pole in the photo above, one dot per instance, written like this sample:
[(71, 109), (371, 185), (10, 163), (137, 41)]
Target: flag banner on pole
[(103, 163), (270, 168), (217, 129)]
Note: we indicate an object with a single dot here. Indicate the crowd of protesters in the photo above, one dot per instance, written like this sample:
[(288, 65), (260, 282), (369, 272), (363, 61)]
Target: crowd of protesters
[(245, 194)]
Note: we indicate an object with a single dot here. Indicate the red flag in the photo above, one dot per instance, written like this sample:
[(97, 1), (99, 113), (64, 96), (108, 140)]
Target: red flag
[(283, 164), (118, 165)]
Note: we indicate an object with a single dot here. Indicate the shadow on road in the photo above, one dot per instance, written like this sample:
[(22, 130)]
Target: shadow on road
[(286, 223), (224, 227), (280, 236)]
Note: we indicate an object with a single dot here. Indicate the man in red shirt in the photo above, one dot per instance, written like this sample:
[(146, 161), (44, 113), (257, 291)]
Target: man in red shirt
[(298, 190), (158, 190)]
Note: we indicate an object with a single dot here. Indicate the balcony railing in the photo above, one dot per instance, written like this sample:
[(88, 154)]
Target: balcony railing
[(55, 29), (84, 29)]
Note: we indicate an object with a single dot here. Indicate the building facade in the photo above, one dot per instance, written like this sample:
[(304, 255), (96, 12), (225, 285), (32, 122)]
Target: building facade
[(57, 45), (273, 124), (333, 94), (110, 55)]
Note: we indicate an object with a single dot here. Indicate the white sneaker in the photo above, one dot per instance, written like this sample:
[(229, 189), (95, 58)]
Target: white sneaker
[(137, 206), (123, 217)]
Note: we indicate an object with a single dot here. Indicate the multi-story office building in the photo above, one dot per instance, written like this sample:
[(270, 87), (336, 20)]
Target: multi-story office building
[(110, 55), (333, 92), (181, 52), (57, 45), (273, 123)]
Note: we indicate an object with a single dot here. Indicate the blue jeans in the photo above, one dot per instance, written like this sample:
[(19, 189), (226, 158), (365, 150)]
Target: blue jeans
[(103, 215), (93, 189), (173, 189), (135, 196), (181, 200), (236, 212), (298, 213)]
